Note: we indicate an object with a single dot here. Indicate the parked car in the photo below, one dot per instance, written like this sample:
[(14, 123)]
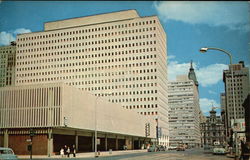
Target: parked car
[(172, 148), (180, 148), (7, 153), (152, 148), (161, 148), (219, 149)]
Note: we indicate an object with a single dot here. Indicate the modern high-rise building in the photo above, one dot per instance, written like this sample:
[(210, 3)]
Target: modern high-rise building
[(119, 53), (184, 111), (240, 86), (7, 65)]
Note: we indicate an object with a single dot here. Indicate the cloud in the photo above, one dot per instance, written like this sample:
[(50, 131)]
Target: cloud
[(7, 37), (211, 74), (206, 105), (175, 68), (212, 92), (21, 30), (234, 15), (171, 57), (206, 76)]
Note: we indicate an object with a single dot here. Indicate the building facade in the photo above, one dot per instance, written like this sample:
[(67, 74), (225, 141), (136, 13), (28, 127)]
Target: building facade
[(240, 86), (246, 106), (213, 130), (184, 113), (64, 115), (7, 65), (224, 114), (119, 53)]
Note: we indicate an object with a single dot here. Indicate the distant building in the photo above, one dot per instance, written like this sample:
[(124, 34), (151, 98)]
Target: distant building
[(184, 113), (223, 112), (240, 86), (7, 65), (213, 130)]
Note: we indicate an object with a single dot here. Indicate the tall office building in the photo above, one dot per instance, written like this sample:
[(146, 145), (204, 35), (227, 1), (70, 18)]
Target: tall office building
[(240, 85), (184, 111), (119, 53), (7, 65)]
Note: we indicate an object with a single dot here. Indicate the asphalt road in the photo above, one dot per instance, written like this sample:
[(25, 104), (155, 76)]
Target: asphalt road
[(190, 154)]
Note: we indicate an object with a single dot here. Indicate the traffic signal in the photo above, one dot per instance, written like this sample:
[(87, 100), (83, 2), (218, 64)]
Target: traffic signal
[(158, 132), (29, 147), (32, 132), (147, 129)]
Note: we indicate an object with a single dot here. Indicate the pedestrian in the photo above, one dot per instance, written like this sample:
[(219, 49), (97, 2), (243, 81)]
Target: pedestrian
[(65, 150), (68, 151), (74, 150), (62, 152)]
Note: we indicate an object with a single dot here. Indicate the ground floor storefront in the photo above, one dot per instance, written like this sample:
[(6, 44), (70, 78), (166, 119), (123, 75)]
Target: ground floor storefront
[(49, 141)]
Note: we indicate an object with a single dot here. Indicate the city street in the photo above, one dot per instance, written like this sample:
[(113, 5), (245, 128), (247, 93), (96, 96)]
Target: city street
[(190, 154)]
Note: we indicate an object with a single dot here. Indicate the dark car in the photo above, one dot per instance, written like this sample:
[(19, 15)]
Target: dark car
[(180, 148), (161, 148)]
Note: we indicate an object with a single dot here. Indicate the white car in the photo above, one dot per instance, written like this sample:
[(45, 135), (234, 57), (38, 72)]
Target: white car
[(7, 153), (219, 150)]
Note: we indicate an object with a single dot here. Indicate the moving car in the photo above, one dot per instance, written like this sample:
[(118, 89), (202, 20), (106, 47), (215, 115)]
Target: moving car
[(7, 153), (219, 149)]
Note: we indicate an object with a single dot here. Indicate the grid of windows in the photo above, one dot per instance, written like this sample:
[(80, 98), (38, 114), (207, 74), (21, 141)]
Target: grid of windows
[(7, 64), (126, 58), (184, 112)]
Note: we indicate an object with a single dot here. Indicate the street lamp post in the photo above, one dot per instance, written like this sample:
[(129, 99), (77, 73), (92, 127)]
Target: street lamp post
[(205, 49), (96, 155)]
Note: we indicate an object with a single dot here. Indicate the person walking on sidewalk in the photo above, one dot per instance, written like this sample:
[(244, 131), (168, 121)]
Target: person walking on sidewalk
[(68, 151), (65, 150), (74, 150), (62, 152)]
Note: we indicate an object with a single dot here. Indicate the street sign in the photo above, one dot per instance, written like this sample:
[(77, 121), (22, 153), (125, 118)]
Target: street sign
[(28, 140)]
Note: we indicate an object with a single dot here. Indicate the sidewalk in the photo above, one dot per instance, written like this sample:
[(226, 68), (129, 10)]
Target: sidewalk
[(86, 154)]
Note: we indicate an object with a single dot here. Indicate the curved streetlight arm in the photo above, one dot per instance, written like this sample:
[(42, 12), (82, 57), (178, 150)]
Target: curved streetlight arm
[(219, 49)]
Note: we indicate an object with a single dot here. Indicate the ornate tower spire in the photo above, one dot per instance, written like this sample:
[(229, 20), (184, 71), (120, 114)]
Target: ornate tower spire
[(191, 74)]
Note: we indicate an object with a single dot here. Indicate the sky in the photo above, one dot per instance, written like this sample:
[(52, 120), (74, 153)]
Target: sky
[(189, 25)]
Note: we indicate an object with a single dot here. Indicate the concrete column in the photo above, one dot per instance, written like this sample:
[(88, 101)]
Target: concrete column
[(106, 142), (133, 146), (93, 142), (139, 144), (6, 138), (116, 142), (76, 142), (50, 142)]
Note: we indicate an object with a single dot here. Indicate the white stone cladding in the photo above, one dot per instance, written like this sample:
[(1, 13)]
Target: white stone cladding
[(48, 105), (123, 56)]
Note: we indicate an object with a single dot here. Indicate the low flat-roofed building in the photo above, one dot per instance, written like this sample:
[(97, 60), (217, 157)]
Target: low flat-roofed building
[(65, 115)]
